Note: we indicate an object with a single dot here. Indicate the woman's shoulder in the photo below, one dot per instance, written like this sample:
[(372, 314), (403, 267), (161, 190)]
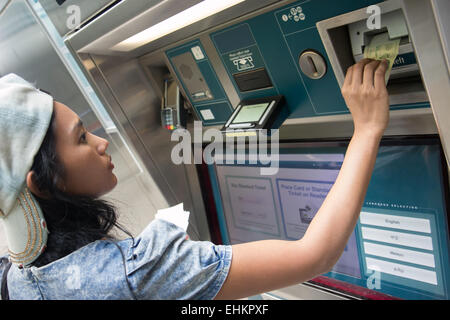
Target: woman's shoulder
[(157, 236), (160, 226), (104, 250), (93, 254), (90, 272), (110, 254)]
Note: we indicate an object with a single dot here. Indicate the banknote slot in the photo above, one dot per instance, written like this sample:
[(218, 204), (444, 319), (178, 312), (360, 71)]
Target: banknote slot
[(348, 37), (405, 63)]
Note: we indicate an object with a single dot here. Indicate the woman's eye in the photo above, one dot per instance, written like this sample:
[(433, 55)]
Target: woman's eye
[(83, 137)]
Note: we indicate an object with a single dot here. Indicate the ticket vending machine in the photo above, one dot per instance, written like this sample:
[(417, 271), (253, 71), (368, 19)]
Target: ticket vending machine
[(300, 50), (400, 245)]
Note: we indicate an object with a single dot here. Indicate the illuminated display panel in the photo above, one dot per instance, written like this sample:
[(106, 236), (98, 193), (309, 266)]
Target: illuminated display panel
[(250, 113), (400, 244)]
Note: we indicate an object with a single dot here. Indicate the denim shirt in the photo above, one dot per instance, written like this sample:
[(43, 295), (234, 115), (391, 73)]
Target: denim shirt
[(159, 264)]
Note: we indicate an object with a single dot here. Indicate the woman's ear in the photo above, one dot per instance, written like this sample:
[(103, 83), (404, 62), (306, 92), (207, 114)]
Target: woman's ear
[(33, 187)]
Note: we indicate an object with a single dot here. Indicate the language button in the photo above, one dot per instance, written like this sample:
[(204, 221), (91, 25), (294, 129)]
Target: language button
[(397, 222), (425, 259), (401, 270), (399, 238)]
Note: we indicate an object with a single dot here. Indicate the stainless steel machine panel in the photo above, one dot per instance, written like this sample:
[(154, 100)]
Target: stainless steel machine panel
[(431, 56), (63, 16), (2, 4), (441, 9), (132, 16), (26, 51), (136, 105)]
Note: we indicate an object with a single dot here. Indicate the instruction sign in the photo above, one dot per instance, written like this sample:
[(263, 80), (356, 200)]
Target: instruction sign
[(243, 60)]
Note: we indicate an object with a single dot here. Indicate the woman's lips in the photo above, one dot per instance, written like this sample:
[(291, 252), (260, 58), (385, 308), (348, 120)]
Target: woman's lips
[(111, 165)]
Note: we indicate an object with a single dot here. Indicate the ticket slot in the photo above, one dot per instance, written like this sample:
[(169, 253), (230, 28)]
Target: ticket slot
[(253, 80)]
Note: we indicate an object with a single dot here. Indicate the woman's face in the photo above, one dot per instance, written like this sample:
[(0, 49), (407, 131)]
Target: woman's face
[(88, 168)]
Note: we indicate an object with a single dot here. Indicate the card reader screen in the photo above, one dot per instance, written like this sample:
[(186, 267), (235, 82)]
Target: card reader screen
[(251, 113)]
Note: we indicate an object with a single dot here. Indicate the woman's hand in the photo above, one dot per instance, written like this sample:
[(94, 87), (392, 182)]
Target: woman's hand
[(366, 96)]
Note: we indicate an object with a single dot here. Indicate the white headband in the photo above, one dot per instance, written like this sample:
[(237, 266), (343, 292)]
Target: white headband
[(25, 114)]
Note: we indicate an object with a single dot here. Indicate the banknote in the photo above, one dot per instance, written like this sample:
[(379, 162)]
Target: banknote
[(380, 48)]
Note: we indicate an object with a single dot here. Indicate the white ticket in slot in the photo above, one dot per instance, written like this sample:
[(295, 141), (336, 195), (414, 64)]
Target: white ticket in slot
[(207, 114), (198, 53), (416, 257), (399, 238), (396, 222), (401, 270)]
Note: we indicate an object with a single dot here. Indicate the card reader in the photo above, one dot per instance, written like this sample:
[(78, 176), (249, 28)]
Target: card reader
[(256, 114)]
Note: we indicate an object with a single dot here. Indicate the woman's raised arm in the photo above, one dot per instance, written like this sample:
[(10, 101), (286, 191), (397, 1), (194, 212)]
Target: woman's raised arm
[(267, 265)]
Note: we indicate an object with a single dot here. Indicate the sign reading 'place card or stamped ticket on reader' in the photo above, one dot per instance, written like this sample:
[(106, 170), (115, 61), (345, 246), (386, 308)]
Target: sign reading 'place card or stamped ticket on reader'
[(256, 114)]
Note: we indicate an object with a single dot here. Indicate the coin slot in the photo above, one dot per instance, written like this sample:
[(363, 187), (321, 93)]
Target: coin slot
[(312, 64)]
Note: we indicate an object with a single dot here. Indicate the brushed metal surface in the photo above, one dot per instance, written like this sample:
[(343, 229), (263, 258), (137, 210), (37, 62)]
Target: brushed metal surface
[(125, 22), (117, 15), (305, 291), (441, 9), (431, 57), (3, 4), (26, 51), (401, 122), (220, 70), (136, 104), (60, 15)]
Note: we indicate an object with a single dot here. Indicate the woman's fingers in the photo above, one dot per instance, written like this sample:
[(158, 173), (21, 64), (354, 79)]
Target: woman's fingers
[(348, 77), (358, 69), (380, 72), (368, 75)]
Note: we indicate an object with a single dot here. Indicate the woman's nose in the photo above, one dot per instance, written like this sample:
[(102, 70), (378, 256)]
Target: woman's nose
[(102, 145)]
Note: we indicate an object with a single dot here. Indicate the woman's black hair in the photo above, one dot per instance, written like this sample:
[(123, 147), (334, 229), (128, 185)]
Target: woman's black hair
[(73, 221)]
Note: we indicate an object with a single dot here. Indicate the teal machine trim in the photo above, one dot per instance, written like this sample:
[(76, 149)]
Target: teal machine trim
[(261, 58), (200, 83), (274, 41), (400, 246)]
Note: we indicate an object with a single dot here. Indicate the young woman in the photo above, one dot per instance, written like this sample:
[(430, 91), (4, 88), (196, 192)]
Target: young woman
[(72, 169)]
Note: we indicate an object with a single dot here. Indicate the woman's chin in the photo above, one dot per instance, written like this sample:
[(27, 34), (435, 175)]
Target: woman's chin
[(111, 185), (114, 182)]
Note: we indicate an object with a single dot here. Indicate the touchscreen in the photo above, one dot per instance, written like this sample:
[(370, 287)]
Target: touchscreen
[(400, 244)]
